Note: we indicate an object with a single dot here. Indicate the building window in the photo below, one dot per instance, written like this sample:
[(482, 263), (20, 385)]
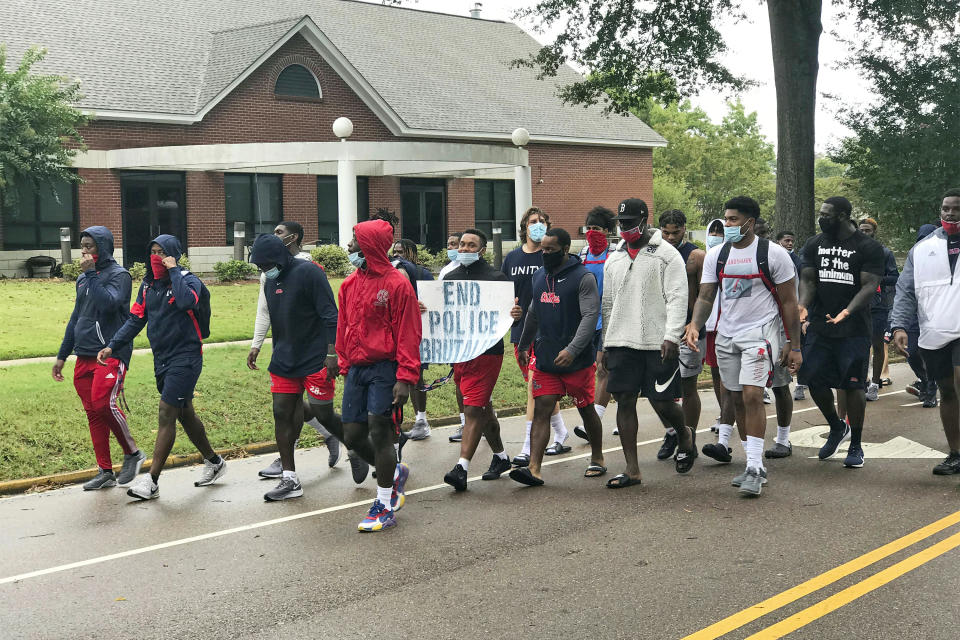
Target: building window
[(328, 217), (297, 81), (253, 199), (34, 221), (494, 207)]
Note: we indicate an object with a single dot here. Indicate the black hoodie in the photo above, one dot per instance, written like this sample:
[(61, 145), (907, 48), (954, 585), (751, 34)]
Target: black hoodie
[(303, 313), (103, 298), (169, 305)]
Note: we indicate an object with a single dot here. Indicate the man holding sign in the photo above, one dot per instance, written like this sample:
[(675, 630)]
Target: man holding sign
[(560, 325), (476, 378)]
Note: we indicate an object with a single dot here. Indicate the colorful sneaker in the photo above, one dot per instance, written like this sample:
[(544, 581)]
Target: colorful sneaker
[(833, 441), (275, 470), (854, 459), (102, 480), (211, 473), (131, 467), (144, 488), (398, 498), (378, 518)]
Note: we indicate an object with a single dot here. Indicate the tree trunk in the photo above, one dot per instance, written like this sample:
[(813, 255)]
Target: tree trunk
[(795, 30)]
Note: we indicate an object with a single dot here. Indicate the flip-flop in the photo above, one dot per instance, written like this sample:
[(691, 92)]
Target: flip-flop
[(595, 471), (621, 481), (556, 449), (683, 460), (524, 476), (580, 432)]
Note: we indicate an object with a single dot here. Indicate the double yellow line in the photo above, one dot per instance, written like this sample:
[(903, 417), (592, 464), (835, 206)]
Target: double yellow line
[(834, 602)]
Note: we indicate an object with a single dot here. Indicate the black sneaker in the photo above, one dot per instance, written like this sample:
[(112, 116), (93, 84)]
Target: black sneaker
[(915, 388), (833, 441), (718, 452), (949, 466), (498, 466), (668, 447), (457, 478), (929, 394), (580, 432)]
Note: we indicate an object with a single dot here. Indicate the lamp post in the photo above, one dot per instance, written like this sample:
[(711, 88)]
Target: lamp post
[(346, 183), (522, 189)]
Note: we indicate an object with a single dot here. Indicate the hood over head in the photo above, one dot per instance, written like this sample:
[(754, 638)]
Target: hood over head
[(571, 262), (268, 248), (375, 238), (715, 221), (925, 230), (104, 239), (170, 246)]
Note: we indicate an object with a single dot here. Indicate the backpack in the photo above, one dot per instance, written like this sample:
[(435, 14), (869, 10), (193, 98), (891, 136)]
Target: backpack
[(203, 311), (763, 265)]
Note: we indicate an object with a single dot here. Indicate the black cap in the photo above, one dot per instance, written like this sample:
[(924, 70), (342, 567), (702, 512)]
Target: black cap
[(632, 208)]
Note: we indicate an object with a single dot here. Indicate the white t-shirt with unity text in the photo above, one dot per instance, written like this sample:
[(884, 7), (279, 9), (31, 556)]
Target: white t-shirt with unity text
[(745, 303)]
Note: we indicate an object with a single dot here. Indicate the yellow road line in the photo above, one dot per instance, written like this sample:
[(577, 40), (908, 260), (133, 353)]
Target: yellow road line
[(837, 600), (816, 583)]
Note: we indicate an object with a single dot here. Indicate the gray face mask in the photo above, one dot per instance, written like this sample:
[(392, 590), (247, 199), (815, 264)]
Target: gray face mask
[(272, 273)]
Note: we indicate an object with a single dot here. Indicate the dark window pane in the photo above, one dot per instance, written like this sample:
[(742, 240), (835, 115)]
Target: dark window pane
[(503, 202), (50, 209), (49, 237), (20, 237), (410, 216), (238, 199), (483, 199), (25, 208), (268, 210), (327, 210), (494, 206), (296, 80)]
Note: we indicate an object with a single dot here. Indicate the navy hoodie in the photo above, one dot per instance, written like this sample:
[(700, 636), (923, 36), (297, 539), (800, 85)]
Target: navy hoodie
[(303, 312), (169, 307), (103, 298)]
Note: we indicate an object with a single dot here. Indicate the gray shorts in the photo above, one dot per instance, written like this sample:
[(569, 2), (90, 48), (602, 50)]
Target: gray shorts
[(748, 358), (691, 362)]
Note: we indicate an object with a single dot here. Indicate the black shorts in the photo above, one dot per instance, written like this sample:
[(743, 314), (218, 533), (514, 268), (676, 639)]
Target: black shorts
[(879, 318), (940, 362), (835, 363), (177, 382), (643, 372)]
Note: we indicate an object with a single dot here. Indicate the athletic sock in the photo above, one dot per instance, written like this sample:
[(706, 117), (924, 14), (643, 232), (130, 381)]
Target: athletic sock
[(783, 435), (502, 455), (855, 436), (743, 443), (215, 459), (600, 409), (463, 462), (559, 429), (525, 451), (384, 494), (290, 474), (463, 420), (319, 428), (421, 415), (725, 431), (754, 449)]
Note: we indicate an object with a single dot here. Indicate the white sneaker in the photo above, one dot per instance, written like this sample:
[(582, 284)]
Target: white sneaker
[(144, 488), (211, 473), (873, 392), (766, 397), (420, 430)]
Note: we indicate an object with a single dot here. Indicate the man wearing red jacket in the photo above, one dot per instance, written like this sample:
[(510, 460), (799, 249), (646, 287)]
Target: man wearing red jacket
[(378, 348)]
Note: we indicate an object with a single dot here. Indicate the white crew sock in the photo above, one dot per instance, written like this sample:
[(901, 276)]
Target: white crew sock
[(600, 409), (559, 429), (525, 451), (383, 495), (290, 474), (783, 435), (463, 420), (421, 415), (754, 449), (463, 462), (322, 430), (726, 430), (671, 431), (501, 454)]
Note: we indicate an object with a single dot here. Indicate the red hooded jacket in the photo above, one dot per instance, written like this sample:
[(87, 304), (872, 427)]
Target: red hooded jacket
[(379, 318)]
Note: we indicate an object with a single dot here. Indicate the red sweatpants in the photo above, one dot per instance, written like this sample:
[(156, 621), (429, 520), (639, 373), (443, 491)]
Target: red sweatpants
[(98, 387)]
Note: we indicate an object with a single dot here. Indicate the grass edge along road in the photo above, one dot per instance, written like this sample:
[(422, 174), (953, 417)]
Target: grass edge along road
[(837, 600)]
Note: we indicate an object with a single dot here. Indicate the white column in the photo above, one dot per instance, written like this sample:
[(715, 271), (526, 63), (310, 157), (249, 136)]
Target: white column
[(346, 199), (522, 191)]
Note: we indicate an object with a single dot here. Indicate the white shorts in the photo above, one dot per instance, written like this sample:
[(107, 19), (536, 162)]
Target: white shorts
[(691, 362), (781, 375), (748, 358)]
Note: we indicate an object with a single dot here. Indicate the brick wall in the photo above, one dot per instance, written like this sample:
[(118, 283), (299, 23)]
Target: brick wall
[(98, 201), (300, 203), (460, 204)]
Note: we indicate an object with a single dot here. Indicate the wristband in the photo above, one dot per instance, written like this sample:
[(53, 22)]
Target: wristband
[(797, 350)]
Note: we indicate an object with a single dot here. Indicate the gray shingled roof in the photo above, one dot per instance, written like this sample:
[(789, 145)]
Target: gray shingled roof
[(436, 71)]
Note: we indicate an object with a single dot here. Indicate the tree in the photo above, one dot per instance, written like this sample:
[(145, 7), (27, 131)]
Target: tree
[(39, 126), (632, 49)]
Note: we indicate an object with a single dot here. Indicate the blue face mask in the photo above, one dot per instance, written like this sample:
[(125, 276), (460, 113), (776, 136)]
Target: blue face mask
[(733, 234), (357, 259), (452, 254), (713, 241), (272, 273), (467, 258), (536, 231)]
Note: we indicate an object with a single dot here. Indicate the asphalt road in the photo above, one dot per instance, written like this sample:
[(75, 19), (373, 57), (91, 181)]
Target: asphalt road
[(822, 551)]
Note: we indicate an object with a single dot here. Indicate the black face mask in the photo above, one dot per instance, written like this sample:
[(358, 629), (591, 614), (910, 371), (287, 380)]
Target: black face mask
[(552, 260), (829, 226)]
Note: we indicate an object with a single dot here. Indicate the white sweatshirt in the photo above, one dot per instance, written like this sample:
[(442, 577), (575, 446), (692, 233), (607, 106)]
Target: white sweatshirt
[(644, 298), (262, 323)]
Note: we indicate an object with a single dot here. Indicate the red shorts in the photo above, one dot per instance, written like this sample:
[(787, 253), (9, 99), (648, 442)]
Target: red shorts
[(476, 379), (579, 385), (316, 384), (533, 360), (710, 359)]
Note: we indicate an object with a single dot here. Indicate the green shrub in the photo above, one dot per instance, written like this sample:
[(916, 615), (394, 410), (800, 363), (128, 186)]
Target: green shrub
[(432, 261), (138, 270), (184, 262), (233, 270), (71, 270), (333, 259)]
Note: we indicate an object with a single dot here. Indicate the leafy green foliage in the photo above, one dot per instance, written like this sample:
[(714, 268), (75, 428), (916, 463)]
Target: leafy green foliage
[(430, 260), (333, 259), (71, 270), (138, 271), (39, 127), (233, 270), (184, 262)]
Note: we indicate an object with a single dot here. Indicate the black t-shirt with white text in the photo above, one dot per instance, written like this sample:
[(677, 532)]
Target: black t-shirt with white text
[(953, 250), (838, 265)]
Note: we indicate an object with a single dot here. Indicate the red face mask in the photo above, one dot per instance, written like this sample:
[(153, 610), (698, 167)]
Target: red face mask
[(632, 235), (951, 228), (597, 241), (159, 269)]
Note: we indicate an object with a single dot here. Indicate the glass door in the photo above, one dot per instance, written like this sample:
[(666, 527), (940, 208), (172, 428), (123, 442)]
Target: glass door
[(423, 212), (152, 203)]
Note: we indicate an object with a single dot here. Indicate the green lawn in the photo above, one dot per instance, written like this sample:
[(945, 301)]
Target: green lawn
[(34, 314), (44, 429)]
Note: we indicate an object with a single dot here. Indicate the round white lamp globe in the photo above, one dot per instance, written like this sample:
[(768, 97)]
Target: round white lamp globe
[(520, 137), (342, 128)]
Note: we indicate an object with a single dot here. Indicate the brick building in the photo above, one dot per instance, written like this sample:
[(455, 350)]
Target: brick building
[(205, 114)]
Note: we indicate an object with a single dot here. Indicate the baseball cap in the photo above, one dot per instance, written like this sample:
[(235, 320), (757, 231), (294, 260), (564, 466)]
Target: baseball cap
[(632, 208)]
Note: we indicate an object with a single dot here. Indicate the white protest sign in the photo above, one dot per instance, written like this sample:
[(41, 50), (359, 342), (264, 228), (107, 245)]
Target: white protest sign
[(464, 318)]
